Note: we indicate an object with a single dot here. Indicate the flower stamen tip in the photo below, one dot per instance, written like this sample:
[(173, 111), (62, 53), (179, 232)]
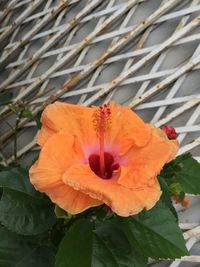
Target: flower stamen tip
[(102, 118)]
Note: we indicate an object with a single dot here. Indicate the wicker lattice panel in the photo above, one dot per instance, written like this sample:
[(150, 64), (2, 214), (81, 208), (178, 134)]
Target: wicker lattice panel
[(141, 53)]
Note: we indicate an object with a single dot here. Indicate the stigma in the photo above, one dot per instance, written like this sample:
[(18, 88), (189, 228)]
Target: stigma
[(102, 121)]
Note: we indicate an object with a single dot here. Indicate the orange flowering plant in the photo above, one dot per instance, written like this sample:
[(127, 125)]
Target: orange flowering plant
[(101, 192), (100, 155)]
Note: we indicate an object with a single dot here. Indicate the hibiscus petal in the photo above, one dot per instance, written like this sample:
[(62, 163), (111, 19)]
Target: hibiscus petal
[(127, 128), (59, 152), (44, 134), (69, 118), (71, 200), (147, 162), (121, 200)]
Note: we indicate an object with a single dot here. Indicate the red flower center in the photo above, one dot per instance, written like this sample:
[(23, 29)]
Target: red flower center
[(110, 165)]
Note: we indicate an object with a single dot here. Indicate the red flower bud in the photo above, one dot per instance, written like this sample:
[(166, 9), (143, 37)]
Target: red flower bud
[(185, 203), (170, 132)]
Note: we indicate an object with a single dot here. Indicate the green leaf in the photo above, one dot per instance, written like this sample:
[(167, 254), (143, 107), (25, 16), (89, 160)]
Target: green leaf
[(155, 233), (62, 214), (106, 246), (166, 196), (168, 171), (19, 251), (18, 179), (37, 119), (3, 168), (183, 175), (25, 215), (180, 158), (113, 247), (5, 98), (188, 174), (75, 248), (26, 113), (22, 209)]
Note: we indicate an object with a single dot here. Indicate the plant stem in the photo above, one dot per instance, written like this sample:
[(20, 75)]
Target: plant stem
[(15, 134)]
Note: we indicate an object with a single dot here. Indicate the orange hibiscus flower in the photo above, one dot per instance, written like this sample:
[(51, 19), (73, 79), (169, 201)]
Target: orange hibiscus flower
[(95, 155)]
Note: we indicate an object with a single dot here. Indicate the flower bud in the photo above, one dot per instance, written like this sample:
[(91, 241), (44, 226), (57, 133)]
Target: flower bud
[(170, 132), (185, 203)]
